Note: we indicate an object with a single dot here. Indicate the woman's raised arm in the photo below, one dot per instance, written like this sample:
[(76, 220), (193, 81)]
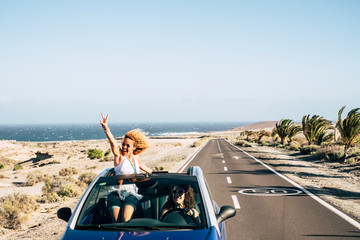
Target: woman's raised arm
[(114, 147)]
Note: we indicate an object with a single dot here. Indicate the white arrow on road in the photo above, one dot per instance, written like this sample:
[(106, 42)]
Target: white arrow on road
[(236, 157)]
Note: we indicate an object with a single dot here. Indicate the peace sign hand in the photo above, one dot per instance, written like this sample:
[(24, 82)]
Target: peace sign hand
[(103, 122)]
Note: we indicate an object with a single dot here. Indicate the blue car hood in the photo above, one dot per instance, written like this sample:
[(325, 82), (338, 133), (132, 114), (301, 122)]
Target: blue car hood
[(170, 235)]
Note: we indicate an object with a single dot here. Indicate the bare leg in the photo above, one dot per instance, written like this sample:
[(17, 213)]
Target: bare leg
[(128, 212), (115, 214)]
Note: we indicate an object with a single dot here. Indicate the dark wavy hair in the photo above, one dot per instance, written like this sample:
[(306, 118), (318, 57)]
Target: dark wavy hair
[(189, 201)]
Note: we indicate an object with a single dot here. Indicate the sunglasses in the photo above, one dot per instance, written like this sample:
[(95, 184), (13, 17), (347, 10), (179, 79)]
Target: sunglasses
[(125, 144), (180, 191)]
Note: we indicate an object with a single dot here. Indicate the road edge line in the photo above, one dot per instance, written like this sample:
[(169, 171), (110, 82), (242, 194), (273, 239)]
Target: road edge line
[(316, 198), (187, 163)]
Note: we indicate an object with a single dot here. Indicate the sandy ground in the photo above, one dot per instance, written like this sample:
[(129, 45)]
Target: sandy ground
[(336, 183), (50, 158)]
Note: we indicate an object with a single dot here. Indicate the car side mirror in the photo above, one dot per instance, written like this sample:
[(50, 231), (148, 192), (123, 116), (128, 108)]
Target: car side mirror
[(64, 213), (226, 212)]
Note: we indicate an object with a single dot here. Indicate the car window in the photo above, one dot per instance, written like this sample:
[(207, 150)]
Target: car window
[(154, 194)]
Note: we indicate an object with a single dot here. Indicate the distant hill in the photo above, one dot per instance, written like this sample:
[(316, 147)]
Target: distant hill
[(265, 125)]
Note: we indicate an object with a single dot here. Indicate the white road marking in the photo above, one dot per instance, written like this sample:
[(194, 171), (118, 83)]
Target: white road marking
[(322, 202), (267, 192), (236, 202), (223, 161), (193, 156), (228, 180), (225, 168), (217, 141), (236, 157)]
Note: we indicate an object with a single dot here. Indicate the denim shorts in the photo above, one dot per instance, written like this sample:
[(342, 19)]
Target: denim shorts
[(114, 201)]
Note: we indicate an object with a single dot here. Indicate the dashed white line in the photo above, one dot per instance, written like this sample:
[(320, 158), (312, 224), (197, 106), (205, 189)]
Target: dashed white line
[(236, 202), (225, 168), (228, 180), (217, 141)]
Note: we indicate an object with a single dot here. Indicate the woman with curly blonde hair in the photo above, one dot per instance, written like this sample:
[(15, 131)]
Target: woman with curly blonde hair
[(125, 162)]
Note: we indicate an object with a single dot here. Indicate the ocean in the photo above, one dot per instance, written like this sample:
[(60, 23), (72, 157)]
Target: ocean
[(73, 132)]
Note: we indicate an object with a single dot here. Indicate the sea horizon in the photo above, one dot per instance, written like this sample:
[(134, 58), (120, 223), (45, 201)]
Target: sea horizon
[(42, 132)]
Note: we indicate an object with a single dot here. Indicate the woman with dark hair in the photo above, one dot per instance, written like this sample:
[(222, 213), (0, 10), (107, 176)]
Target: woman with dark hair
[(182, 198)]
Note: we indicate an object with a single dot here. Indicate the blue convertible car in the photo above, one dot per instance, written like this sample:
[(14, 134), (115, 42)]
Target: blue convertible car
[(91, 218)]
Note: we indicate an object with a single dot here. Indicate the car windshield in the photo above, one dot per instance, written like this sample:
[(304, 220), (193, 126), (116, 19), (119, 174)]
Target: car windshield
[(154, 194)]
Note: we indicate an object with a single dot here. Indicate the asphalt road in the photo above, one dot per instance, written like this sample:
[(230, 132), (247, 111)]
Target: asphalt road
[(269, 207)]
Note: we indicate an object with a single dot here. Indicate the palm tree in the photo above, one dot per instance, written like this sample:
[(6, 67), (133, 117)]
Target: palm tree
[(293, 131), (349, 128), (324, 137), (282, 129), (315, 128)]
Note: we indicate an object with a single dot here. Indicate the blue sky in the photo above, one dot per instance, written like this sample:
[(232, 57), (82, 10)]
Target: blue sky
[(161, 61)]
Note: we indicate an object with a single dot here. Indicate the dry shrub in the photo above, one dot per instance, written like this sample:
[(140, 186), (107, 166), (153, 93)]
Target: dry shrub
[(309, 149), (300, 139), (36, 177), (331, 152), (197, 143), (54, 162), (50, 189), (50, 197), (351, 160), (294, 146), (270, 143), (92, 167), (229, 138), (107, 152), (68, 171), (159, 168), (266, 139), (18, 167), (69, 190), (106, 159), (177, 144), (87, 178), (95, 153), (355, 151), (242, 143), (58, 188), (14, 209)]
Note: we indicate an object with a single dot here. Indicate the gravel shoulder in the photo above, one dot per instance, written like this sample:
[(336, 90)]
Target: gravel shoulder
[(336, 183)]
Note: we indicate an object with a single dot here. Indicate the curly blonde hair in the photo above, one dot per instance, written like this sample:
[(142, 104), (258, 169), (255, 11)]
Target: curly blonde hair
[(141, 141)]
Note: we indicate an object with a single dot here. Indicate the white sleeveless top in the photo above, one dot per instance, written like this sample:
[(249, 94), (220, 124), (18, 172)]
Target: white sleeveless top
[(126, 167)]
